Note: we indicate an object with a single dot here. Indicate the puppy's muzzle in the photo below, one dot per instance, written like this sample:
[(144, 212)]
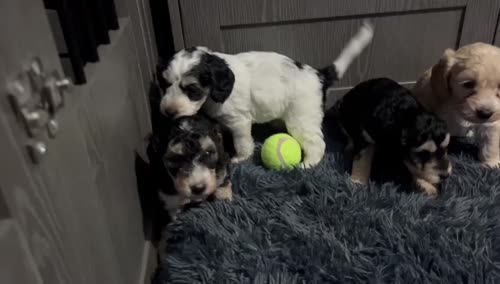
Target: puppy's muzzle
[(169, 112), (198, 189), (484, 114)]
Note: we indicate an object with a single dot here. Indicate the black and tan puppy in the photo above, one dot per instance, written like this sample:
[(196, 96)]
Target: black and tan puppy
[(190, 164), (382, 112)]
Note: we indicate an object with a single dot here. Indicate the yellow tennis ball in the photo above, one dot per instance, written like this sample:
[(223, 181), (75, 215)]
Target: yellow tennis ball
[(281, 151)]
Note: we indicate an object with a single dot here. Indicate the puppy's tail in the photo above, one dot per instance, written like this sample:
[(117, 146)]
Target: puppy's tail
[(352, 50)]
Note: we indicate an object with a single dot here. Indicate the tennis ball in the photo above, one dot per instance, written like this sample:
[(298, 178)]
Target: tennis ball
[(281, 151)]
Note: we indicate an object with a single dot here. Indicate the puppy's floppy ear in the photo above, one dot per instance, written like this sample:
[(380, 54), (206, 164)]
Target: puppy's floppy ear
[(440, 73), (219, 77)]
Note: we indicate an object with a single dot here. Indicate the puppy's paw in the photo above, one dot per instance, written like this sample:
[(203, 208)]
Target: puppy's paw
[(359, 181), (239, 159), (305, 165), (312, 159), (427, 187), (493, 164), (224, 192)]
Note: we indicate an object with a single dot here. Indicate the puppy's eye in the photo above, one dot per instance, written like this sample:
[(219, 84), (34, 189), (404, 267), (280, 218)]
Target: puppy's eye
[(471, 84), (209, 152), (423, 156), (173, 161), (192, 91)]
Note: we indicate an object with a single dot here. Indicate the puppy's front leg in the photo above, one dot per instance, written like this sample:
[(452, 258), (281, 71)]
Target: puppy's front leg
[(243, 141), (224, 192), (362, 165), (426, 186), (489, 152)]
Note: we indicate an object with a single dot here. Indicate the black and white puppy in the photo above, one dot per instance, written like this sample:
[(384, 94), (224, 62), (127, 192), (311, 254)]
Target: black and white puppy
[(190, 164), (257, 87), (382, 113)]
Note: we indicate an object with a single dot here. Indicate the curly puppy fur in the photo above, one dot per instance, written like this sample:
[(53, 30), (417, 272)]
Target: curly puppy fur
[(381, 113), (190, 165), (463, 88), (257, 87)]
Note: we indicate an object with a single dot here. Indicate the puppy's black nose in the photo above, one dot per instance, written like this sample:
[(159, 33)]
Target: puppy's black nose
[(484, 114), (169, 113), (198, 188), (443, 176)]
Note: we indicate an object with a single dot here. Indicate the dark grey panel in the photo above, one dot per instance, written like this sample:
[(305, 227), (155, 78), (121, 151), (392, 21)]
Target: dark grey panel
[(497, 35), (480, 21), (403, 46), (176, 24), (110, 116), (150, 41), (140, 29), (55, 26), (16, 263), (200, 19), (237, 12)]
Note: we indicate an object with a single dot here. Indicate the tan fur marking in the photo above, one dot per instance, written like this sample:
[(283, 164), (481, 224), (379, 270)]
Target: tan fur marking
[(489, 154), (176, 148), (207, 143), (427, 146), (362, 165), (224, 192), (426, 187), (446, 141)]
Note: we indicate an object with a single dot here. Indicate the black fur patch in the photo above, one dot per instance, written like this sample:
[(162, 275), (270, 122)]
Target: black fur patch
[(298, 64), (191, 49), (327, 76), (214, 72)]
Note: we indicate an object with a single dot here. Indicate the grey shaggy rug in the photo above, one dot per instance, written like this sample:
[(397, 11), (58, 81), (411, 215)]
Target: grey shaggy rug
[(314, 226)]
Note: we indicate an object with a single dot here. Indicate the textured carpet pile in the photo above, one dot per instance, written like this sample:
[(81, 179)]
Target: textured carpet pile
[(314, 226)]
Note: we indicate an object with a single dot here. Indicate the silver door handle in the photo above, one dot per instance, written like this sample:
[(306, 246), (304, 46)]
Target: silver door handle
[(36, 97)]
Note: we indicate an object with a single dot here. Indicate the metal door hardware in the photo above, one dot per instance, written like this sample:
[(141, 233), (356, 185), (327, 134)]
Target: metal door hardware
[(36, 97), (36, 150)]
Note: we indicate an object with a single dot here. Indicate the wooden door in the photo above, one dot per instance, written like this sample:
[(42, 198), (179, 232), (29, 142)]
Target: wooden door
[(410, 35), (73, 216)]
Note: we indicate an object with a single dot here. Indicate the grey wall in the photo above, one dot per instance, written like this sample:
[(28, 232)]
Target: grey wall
[(410, 35)]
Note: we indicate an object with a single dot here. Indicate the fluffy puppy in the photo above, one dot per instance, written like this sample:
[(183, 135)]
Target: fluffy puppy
[(382, 113), (463, 88), (190, 165), (257, 87)]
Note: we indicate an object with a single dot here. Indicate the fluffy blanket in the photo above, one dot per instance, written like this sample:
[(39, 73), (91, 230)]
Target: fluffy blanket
[(315, 226)]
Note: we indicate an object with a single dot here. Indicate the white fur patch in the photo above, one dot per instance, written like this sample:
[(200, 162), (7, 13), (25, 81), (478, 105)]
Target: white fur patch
[(207, 143), (353, 48), (176, 148), (427, 146), (446, 141)]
